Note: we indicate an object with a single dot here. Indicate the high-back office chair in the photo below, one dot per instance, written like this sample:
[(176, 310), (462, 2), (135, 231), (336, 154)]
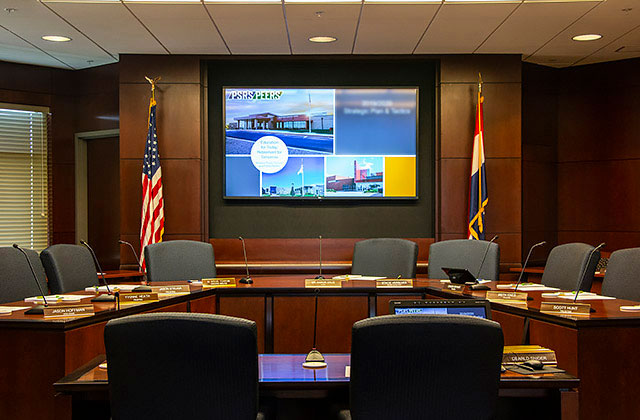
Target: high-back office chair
[(464, 253), (16, 280), (424, 367), (69, 268), (388, 257), (182, 366), (566, 264), (179, 260), (622, 278)]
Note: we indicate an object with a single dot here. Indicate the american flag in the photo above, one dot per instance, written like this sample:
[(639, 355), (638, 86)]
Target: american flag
[(152, 226)]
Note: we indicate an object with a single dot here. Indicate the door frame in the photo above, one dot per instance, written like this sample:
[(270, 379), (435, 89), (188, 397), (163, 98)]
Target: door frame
[(82, 205)]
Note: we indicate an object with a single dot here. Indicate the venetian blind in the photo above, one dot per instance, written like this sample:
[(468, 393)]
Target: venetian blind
[(24, 209)]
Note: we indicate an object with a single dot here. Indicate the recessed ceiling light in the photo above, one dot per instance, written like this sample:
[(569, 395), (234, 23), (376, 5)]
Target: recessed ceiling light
[(56, 38), (322, 39), (587, 37)]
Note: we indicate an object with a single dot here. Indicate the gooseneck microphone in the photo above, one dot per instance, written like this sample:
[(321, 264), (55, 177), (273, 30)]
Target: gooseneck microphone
[(102, 298), (320, 276), (121, 242), (526, 261), (584, 272), (144, 276), (315, 359), (36, 309), (484, 257), (247, 279)]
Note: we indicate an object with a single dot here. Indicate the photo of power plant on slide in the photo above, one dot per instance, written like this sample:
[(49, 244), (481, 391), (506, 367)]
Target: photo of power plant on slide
[(320, 143)]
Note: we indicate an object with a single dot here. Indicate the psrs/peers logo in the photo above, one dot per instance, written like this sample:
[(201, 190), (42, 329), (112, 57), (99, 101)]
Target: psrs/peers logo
[(254, 95)]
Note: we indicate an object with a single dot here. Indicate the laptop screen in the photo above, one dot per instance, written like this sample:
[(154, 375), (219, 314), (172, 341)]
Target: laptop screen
[(477, 308)]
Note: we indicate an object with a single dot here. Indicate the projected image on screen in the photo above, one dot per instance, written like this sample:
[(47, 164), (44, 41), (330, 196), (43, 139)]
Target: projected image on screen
[(320, 143)]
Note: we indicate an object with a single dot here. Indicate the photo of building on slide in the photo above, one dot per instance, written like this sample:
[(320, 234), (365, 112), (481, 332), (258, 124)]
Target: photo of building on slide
[(354, 176), (301, 118), (301, 177)]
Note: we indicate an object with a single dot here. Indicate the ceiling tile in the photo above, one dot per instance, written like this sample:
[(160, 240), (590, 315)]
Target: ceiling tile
[(392, 29), (112, 26), (32, 20), (254, 29), (336, 20), (531, 25), (16, 50), (627, 46), (605, 18), (182, 28), (461, 28)]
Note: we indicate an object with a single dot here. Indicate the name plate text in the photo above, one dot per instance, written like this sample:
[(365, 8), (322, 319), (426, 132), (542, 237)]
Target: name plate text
[(219, 282), (454, 287), (180, 288), (562, 308), (491, 294), (394, 283), (142, 297), (68, 311), (323, 283)]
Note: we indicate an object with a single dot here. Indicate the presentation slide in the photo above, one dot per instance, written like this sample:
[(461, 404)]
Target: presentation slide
[(320, 143)]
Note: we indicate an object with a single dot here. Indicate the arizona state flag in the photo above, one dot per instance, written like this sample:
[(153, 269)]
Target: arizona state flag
[(478, 197)]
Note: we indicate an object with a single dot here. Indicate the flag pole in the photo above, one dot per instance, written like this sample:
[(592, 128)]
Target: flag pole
[(153, 85)]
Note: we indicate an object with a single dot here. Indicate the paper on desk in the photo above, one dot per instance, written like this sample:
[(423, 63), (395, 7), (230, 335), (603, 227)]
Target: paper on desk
[(527, 287), (572, 295), (480, 281), (9, 309), (357, 277), (112, 287), (56, 298)]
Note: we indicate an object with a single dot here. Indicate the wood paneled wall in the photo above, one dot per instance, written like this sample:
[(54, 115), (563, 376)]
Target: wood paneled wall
[(599, 155), (181, 126), (501, 75), (84, 100), (182, 129)]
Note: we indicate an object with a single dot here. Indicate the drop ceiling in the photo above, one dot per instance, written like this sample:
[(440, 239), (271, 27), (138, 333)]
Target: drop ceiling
[(101, 30)]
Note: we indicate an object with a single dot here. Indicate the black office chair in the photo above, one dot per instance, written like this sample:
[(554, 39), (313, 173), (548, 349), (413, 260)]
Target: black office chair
[(388, 257), (182, 366), (424, 367), (464, 253), (69, 268), (16, 280), (622, 278), (566, 264), (179, 260)]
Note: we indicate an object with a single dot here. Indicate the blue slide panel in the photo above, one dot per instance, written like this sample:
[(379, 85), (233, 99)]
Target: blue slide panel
[(243, 179), (375, 121), (300, 140)]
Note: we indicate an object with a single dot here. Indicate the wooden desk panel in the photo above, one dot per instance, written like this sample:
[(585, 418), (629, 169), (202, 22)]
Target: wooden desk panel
[(248, 307), (512, 327)]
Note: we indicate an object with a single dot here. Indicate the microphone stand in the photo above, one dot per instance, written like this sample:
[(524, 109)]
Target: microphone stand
[(526, 261), (144, 276), (584, 272), (247, 279), (36, 309), (484, 257), (314, 359), (102, 298), (320, 276)]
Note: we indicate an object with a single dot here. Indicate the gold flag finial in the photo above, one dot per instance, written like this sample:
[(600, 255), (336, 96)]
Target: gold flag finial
[(153, 85)]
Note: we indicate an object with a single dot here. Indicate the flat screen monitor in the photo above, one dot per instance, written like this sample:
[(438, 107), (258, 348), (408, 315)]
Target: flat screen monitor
[(320, 143), (471, 307)]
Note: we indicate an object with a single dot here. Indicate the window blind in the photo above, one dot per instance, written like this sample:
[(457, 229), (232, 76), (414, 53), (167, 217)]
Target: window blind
[(24, 211)]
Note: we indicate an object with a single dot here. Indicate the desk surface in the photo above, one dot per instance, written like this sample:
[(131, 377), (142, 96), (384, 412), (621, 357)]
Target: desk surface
[(607, 312), (286, 371)]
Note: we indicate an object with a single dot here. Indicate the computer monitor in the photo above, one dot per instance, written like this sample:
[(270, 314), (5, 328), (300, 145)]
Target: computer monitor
[(471, 307)]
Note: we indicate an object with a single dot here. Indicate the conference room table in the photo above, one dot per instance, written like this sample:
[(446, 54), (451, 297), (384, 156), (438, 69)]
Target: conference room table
[(598, 348), (282, 376)]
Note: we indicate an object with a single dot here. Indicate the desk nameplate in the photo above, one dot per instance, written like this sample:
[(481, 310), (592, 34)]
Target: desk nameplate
[(492, 294), (454, 287), (323, 283), (143, 297), (394, 283), (219, 282), (562, 308), (174, 289), (68, 311)]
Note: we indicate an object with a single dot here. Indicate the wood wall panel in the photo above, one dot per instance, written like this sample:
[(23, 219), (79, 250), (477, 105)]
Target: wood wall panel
[(454, 195), (130, 195), (247, 307), (172, 69), (63, 192), (504, 189), (457, 107), (181, 184), (494, 68)]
